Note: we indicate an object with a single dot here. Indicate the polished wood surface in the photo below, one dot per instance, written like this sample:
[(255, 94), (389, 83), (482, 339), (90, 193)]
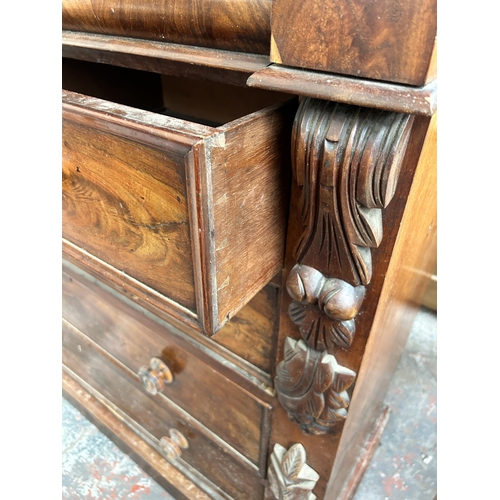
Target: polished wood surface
[(196, 387), (131, 210), (385, 40), (373, 94), (206, 453), (251, 334), (239, 25)]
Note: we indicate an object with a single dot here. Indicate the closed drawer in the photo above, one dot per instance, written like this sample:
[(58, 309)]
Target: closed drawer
[(188, 214), (232, 413), (205, 452)]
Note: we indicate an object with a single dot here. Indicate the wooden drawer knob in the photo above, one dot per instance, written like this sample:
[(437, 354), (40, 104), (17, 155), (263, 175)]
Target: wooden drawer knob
[(171, 447), (155, 376)]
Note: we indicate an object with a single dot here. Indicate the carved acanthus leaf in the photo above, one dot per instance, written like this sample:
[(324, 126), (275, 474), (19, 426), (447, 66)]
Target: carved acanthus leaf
[(311, 386), (346, 160), (290, 478)]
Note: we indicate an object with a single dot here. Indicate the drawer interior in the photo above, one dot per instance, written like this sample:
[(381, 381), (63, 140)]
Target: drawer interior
[(200, 101)]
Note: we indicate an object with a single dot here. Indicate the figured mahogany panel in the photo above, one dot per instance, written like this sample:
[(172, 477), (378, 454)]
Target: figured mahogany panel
[(208, 454), (196, 387), (239, 25), (387, 40), (126, 203)]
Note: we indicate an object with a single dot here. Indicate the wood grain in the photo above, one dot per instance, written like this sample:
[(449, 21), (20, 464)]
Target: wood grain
[(239, 25), (206, 453), (387, 40), (196, 387), (286, 432), (233, 236), (251, 333), (250, 177), (373, 94), (405, 282), (167, 58), (126, 203)]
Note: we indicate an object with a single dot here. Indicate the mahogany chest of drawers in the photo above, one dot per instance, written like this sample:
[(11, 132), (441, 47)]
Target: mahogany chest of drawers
[(248, 220)]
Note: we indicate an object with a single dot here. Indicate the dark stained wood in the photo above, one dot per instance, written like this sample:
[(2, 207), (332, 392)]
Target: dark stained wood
[(206, 453), (130, 209), (386, 40), (320, 85), (127, 440), (189, 336), (251, 333), (404, 283), (214, 102), (167, 58), (239, 25), (286, 432), (195, 387), (214, 167)]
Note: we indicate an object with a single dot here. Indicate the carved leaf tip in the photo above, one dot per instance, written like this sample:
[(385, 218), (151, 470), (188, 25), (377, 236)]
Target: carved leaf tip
[(293, 461)]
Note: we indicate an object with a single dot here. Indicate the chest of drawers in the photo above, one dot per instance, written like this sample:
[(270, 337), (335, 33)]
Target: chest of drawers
[(247, 226)]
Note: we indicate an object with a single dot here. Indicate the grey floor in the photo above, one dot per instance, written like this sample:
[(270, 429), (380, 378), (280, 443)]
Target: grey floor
[(403, 467)]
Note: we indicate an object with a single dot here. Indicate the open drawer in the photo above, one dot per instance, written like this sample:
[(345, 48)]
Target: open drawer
[(176, 190)]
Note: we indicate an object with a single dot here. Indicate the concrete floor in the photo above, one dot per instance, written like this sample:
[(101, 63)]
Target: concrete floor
[(404, 466)]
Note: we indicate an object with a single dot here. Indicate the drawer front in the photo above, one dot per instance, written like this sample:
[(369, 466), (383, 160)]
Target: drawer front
[(133, 339), (120, 387), (188, 214), (126, 203)]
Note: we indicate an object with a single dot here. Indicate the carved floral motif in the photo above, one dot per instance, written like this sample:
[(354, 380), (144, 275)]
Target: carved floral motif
[(290, 478), (324, 308), (311, 386)]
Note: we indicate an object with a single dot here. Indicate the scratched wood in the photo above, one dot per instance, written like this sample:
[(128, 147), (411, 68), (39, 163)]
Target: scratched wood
[(384, 40), (240, 25), (197, 388), (205, 452), (165, 200), (126, 203)]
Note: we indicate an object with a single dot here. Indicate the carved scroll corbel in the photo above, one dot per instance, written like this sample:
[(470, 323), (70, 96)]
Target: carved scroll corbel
[(290, 478), (346, 164)]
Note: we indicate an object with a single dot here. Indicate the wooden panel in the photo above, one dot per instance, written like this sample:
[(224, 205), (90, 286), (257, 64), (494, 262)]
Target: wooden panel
[(240, 25), (125, 203), (251, 333), (198, 388), (250, 197), (207, 455), (338, 88), (404, 284), (387, 40), (321, 449)]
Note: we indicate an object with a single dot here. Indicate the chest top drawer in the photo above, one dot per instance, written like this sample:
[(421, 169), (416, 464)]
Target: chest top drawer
[(190, 213)]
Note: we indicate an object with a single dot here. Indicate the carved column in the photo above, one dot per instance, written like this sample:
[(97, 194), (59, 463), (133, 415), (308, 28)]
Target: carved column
[(346, 164)]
